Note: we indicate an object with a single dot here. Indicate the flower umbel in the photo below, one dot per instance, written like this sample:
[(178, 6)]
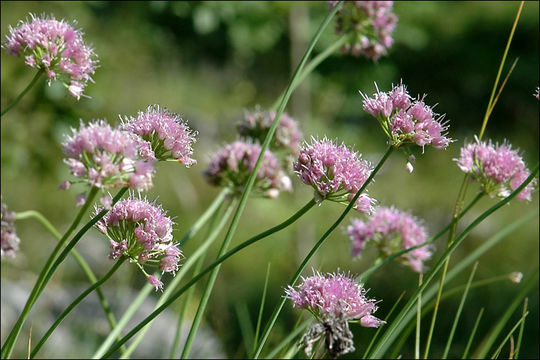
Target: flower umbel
[(9, 239), (167, 135), (406, 120), (141, 231), (391, 231), (56, 48), (498, 169), (335, 172)]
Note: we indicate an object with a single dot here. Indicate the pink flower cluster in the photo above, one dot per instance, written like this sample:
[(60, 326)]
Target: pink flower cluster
[(391, 231), (105, 157), (232, 165), (56, 48), (165, 133), (370, 25), (141, 231), (335, 172), (406, 120), (537, 93), (334, 294), (498, 168), (257, 123), (9, 240)]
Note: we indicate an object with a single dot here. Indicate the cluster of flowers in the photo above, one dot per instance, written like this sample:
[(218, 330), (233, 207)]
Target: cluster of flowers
[(391, 231), (233, 163), (498, 168), (334, 299), (56, 48), (405, 120), (9, 240), (369, 25)]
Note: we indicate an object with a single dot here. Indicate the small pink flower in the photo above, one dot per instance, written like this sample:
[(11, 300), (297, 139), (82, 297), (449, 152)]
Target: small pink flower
[(155, 282), (9, 240)]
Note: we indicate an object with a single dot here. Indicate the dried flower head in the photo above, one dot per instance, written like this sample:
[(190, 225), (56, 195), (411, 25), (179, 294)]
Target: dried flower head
[(165, 133), (56, 48), (105, 157), (405, 120), (9, 239), (232, 165), (335, 172), (537, 93), (369, 25), (141, 231), (391, 231), (498, 169), (257, 123)]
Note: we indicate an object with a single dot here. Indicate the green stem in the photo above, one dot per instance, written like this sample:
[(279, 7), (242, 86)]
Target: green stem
[(418, 321), (276, 312), (261, 309), (473, 332), (18, 98), (43, 279), (196, 278), (520, 322), (81, 297), (78, 258), (521, 328)]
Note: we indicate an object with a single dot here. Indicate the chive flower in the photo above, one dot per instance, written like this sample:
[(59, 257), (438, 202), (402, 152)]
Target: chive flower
[(498, 169), (405, 120), (164, 132), (142, 232), (9, 239), (335, 172), (56, 48), (334, 299), (391, 231)]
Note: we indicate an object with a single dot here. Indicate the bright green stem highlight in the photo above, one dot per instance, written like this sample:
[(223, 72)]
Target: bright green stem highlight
[(43, 278), (18, 98), (276, 312), (81, 297), (521, 328), (261, 308), (78, 258), (196, 278)]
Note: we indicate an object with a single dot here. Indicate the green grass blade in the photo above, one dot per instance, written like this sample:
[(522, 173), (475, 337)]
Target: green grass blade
[(246, 327), (499, 348), (521, 328), (261, 308), (473, 332), (298, 328)]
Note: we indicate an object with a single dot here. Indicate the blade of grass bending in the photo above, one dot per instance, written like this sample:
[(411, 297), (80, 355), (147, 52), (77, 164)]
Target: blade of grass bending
[(196, 278), (458, 313), (42, 280), (297, 329), (71, 306), (80, 261), (183, 270), (490, 338), (473, 332), (384, 342), (246, 327), (20, 96), (261, 308), (521, 321), (277, 310), (521, 328)]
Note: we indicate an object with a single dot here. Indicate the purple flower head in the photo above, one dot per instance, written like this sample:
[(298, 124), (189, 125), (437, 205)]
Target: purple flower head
[(257, 123), (335, 172), (498, 169), (56, 48), (391, 231), (406, 120), (164, 135), (105, 157), (141, 231), (232, 165), (9, 239), (369, 25)]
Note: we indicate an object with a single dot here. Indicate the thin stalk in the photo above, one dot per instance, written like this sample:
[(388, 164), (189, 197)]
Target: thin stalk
[(521, 328), (26, 89), (294, 333), (81, 297), (246, 327), (502, 86), (42, 280), (458, 314), (276, 312), (261, 308), (521, 321), (78, 258), (418, 321), (196, 278), (473, 332)]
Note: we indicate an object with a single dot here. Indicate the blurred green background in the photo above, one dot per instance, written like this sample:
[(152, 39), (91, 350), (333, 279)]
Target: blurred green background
[(209, 61)]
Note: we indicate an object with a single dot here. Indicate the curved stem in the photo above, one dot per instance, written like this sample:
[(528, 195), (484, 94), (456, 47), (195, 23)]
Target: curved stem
[(42, 279), (81, 297), (276, 312), (196, 278), (18, 98)]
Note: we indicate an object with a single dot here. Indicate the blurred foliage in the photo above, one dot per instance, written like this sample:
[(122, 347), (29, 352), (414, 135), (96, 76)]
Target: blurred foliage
[(210, 60)]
